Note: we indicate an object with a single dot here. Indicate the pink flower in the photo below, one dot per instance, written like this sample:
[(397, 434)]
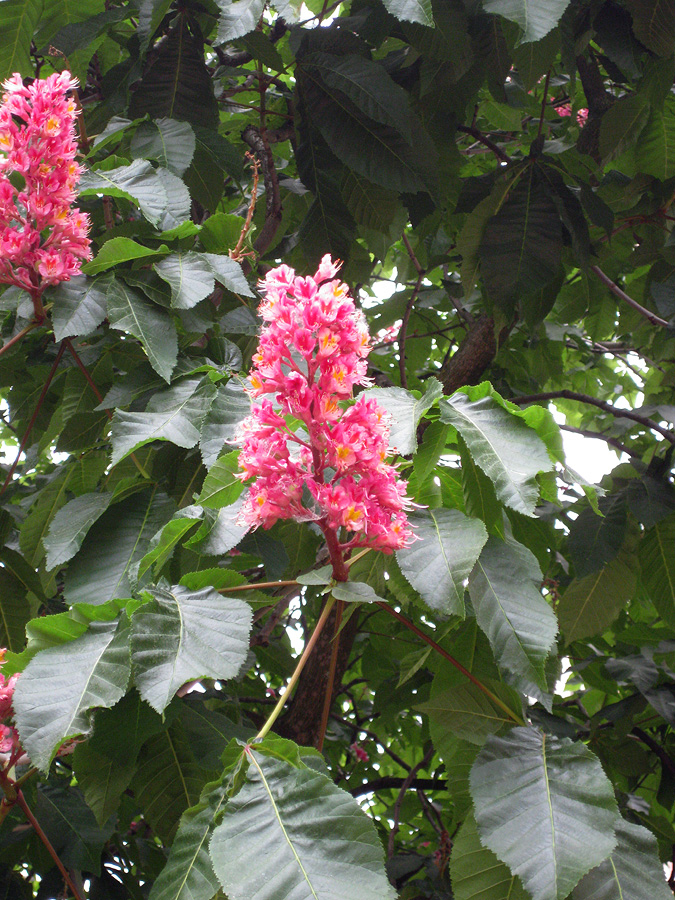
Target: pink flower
[(6, 694), (359, 752), (42, 238), (565, 109), (313, 456)]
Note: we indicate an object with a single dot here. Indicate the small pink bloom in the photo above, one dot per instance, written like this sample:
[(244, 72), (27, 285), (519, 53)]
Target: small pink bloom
[(359, 752)]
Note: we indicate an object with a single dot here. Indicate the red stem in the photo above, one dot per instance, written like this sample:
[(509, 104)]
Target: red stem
[(21, 800), (33, 418), (17, 337), (331, 677)]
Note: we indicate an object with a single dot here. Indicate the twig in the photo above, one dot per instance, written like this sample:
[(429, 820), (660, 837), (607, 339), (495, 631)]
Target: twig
[(328, 697), (593, 401), (543, 102), (236, 253), (21, 800), (444, 653), (622, 295), (407, 783), (257, 142), (17, 337), (408, 310), (397, 781), (33, 418), (667, 762), (256, 586), (484, 139), (622, 448)]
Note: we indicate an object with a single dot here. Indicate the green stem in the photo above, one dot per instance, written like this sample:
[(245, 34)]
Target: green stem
[(444, 653), (274, 715), (257, 586)]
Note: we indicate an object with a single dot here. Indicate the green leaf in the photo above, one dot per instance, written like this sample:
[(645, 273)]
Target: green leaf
[(509, 452), (632, 871), (591, 604), (168, 780), (79, 306), (521, 248), (476, 872), (654, 24), (221, 486), (369, 204), (535, 18), (174, 414), (185, 635), (137, 182), (368, 86), (221, 532), (291, 832), (91, 671), (188, 874), (554, 791), (410, 10), (237, 18), (162, 545), (406, 410), (230, 407), (519, 623), (168, 141), (18, 21), (621, 125), (129, 311), (655, 149), (470, 237), (70, 525), (71, 828), (103, 568), (595, 540), (466, 711), (14, 612), (117, 250), (534, 59), (658, 567), (355, 592), (101, 780), (438, 563), (176, 83), (192, 276)]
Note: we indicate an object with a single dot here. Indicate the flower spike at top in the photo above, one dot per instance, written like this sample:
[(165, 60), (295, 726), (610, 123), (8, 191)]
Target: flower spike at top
[(42, 238), (312, 352)]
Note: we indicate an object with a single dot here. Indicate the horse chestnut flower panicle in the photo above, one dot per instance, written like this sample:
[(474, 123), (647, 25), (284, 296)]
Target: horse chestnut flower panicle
[(43, 239), (331, 469)]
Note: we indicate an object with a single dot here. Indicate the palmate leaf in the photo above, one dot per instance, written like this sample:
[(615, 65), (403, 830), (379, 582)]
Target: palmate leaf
[(519, 623), (437, 564), (658, 567), (174, 414), (475, 872), (91, 671), (79, 306), (509, 452), (521, 247), (632, 871), (103, 568), (168, 780), (186, 634), (466, 711), (70, 525), (555, 792), (18, 21), (168, 141), (591, 604), (290, 832), (192, 276), (14, 612), (535, 18), (130, 311), (405, 410)]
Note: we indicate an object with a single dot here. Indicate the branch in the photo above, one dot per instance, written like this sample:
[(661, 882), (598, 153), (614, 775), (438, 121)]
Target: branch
[(473, 356), (622, 295), (17, 337), (484, 139), (394, 781), (593, 401), (257, 142), (407, 782), (666, 761), (602, 437), (408, 310)]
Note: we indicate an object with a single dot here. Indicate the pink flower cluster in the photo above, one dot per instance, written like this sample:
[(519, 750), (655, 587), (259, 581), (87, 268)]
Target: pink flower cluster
[(42, 238), (314, 457), (566, 110), (9, 738)]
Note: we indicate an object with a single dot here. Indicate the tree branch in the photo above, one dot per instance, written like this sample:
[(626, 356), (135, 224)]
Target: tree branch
[(257, 142), (407, 782), (473, 356), (484, 139), (593, 401), (602, 437), (622, 295)]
